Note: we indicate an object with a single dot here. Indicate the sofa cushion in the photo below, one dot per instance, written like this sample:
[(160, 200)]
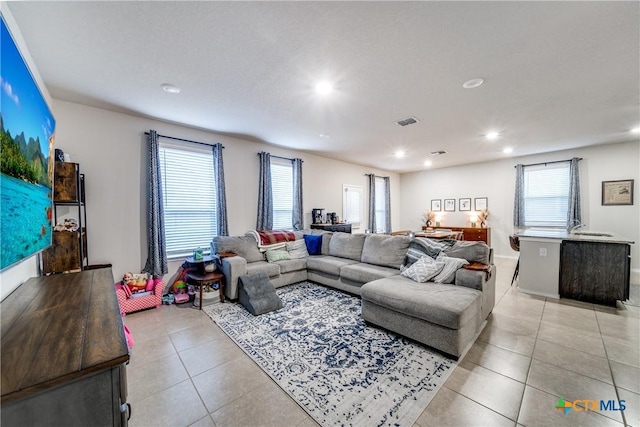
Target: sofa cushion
[(271, 268), (471, 251), (328, 264), (274, 255), (420, 247), (385, 250), (298, 249), (445, 305), (290, 265), (346, 245), (313, 243), (244, 246), (448, 272), (423, 270), (363, 273)]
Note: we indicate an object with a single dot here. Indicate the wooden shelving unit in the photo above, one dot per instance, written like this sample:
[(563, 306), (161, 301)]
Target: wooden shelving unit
[(68, 251)]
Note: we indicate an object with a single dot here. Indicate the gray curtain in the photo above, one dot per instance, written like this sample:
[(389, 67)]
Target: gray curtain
[(265, 194), (157, 263), (518, 202), (574, 213), (218, 170), (298, 212), (372, 202), (387, 204)]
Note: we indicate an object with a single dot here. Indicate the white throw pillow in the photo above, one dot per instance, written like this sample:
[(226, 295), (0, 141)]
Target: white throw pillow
[(423, 269), (448, 272), (297, 249)]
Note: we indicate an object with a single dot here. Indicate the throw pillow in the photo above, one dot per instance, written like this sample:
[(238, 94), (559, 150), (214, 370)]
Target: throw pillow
[(451, 265), (297, 249), (423, 269), (313, 243), (277, 255)]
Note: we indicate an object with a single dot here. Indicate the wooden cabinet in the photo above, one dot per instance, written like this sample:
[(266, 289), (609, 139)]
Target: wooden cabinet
[(474, 234), (344, 228), (595, 272), (64, 352), (68, 251)]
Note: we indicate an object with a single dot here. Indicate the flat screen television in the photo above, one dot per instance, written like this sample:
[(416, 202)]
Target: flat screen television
[(26, 158)]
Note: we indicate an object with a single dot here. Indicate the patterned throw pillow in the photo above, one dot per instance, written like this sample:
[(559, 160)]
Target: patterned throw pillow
[(277, 255), (297, 249), (451, 265), (423, 269)]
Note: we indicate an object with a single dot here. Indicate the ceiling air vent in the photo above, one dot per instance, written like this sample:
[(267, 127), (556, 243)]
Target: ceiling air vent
[(438, 153), (407, 122)]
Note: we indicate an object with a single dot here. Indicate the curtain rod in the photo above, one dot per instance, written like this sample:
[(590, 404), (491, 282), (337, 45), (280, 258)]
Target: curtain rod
[(184, 140), (377, 176), (548, 163), (280, 157)]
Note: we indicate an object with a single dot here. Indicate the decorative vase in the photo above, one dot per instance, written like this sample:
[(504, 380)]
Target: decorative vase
[(428, 223)]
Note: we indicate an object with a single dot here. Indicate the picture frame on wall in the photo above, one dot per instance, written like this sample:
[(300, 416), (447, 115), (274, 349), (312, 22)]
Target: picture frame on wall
[(449, 205), (464, 204), (436, 205), (481, 203), (616, 193)]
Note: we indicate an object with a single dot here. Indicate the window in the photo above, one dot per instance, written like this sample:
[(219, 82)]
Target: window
[(381, 210), (352, 205), (189, 197), (546, 195), (282, 188)]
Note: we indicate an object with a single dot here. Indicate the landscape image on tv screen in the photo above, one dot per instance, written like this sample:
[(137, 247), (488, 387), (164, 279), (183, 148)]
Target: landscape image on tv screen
[(26, 158)]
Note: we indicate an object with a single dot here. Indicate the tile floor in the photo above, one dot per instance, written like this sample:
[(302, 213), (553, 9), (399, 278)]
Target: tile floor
[(184, 371)]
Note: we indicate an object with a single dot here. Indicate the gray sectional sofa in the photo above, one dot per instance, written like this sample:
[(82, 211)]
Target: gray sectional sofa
[(446, 317)]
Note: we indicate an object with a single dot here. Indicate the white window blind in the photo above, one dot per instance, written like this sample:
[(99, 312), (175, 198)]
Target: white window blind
[(352, 205), (381, 211), (546, 195), (189, 197), (282, 188)]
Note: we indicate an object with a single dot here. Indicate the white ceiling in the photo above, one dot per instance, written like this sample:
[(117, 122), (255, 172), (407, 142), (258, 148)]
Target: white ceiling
[(558, 75)]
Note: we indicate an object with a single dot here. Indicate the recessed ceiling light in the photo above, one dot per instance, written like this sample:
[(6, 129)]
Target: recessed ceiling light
[(325, 135), (168, 87), (492, 136), (324, 88), (473, 83), (507, 150), (427, 163), (636, 130), (399, 154)]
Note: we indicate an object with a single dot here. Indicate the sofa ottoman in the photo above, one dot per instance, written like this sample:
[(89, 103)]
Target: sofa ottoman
[(443, 316)]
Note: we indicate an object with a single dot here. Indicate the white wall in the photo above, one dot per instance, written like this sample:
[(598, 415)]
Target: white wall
[(12, 277), (110, 148), (496, 181)]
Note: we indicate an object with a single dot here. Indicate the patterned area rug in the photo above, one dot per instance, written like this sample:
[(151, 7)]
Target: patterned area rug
[(341, 371)]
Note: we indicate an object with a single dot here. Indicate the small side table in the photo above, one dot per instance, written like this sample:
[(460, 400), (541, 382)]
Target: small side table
[(202, 280)]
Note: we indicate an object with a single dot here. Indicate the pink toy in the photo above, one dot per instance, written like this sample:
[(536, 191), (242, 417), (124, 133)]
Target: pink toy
[(180, 298)]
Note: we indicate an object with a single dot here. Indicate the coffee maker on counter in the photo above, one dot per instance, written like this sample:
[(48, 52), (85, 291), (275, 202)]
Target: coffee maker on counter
[(317, 216), (332, 218)]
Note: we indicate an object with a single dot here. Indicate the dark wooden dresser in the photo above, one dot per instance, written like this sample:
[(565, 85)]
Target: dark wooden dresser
[(474, 234), (345, 228), (64, 352)]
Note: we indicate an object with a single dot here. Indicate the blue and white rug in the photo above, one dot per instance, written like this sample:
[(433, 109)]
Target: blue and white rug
[(341, 371)]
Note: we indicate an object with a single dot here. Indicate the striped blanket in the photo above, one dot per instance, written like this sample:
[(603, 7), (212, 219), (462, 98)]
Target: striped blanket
[(271, 239)]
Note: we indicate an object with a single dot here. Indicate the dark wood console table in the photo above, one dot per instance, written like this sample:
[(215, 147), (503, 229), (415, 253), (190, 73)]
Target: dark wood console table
[(64, 352), (345, 228), (474, 234)]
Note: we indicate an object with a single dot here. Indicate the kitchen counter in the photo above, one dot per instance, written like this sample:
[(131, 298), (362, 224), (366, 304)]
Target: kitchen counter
[(585, 265), (580, 236)]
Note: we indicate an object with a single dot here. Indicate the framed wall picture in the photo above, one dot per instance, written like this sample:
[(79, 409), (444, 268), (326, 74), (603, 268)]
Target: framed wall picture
[(449, 205), (481, 203), (617, 192), (464, 205), (436, 205)]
